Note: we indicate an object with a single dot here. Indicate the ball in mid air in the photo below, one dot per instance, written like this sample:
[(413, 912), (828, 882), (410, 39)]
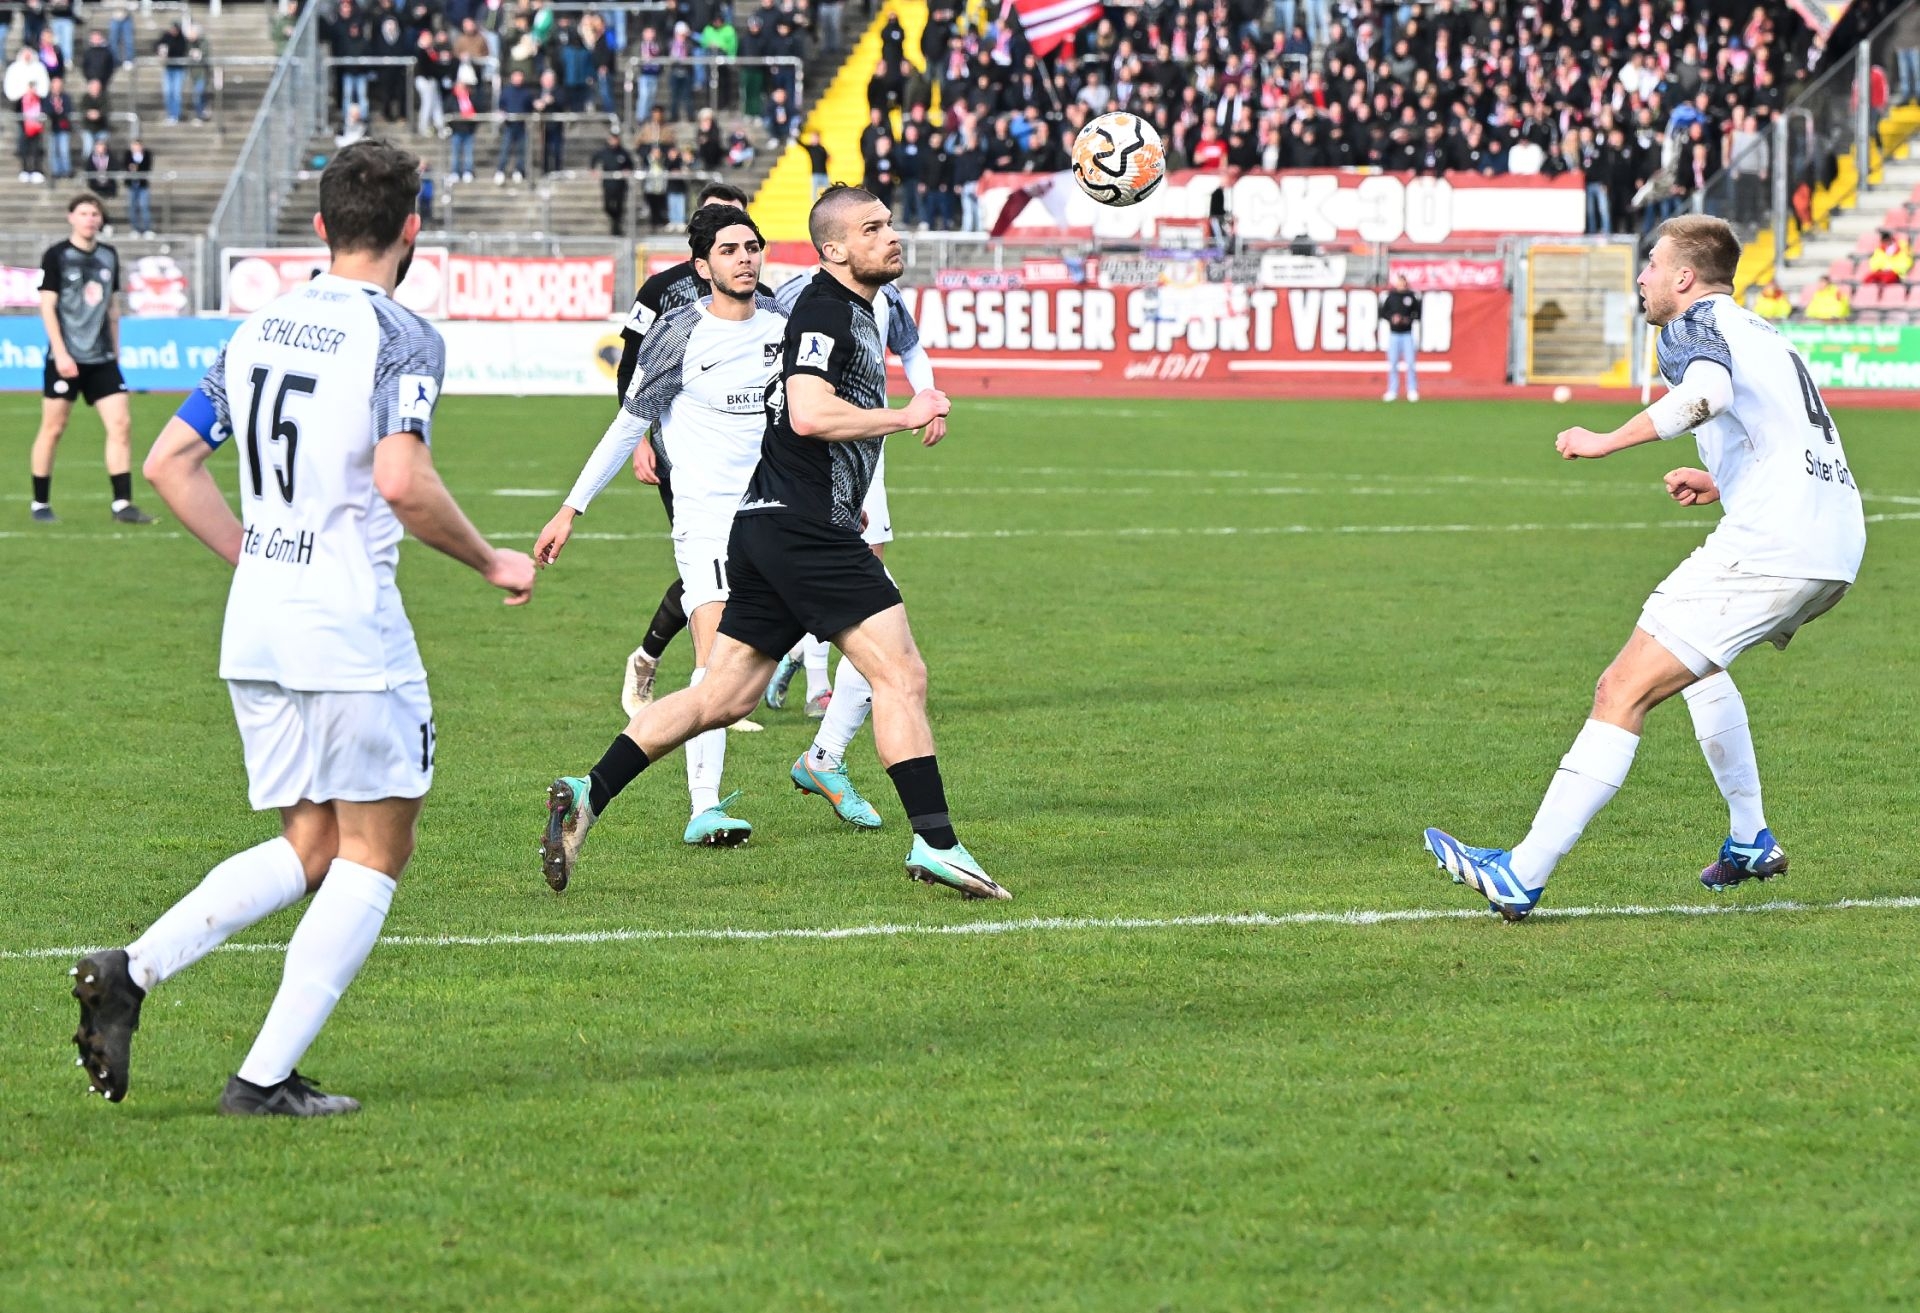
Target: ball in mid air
[(1118, 159), (1563, 393)]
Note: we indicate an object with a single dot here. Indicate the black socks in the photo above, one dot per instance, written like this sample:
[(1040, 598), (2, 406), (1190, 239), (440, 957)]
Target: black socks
[(668, 621), (615, 771), (924, 798), (122, 486), (43, 489)]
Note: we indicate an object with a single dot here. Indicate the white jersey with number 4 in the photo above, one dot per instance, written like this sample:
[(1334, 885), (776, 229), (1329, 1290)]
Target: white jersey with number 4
[(305, 389), (1791, 507)]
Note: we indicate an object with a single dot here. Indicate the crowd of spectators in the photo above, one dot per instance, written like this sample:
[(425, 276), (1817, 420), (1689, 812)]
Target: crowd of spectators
[(1644, 100), (538, 70)]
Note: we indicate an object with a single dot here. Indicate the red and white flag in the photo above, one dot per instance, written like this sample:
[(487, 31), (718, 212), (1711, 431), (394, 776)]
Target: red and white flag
[(1049, 22)]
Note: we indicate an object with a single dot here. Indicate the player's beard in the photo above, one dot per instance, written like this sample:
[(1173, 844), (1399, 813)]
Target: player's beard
[(406, 263), (753, 290), (880, 272)]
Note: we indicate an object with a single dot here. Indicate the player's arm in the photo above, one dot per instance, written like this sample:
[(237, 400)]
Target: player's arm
[(657, 381), (904, 341), (403, 473), (408, 371), (177, 465), (1704, 391), (646, 309), (177, 469), (56, 342), (816, 411)]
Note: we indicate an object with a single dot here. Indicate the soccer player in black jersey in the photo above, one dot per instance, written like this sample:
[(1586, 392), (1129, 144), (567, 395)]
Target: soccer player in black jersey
[(659, 295), (80, 306), (796, 562)]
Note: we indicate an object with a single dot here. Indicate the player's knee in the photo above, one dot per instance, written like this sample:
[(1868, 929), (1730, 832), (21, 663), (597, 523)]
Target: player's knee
[(904, 679)]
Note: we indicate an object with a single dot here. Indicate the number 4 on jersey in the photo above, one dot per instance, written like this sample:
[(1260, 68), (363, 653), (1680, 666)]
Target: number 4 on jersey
[(284, 430), (1816, 408)]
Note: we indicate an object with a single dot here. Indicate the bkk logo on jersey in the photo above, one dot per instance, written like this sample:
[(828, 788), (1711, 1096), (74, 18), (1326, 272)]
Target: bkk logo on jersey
[(815, 348), (417, 393)]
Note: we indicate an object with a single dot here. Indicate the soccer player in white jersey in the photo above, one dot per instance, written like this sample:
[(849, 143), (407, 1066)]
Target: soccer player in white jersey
[(842, 707), (701, 373), (329, 392), (1786, 549)]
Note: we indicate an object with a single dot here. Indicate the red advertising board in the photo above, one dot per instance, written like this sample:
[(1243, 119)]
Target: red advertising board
[(1331, 205), (253, 277), (530, 288), (441, 285), (1220, 338)]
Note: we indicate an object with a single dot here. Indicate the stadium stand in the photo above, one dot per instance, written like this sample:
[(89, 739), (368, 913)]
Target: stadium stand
[(232, 56)]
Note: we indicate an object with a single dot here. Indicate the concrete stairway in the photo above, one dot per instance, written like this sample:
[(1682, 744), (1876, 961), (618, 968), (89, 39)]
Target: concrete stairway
[(201, 155)]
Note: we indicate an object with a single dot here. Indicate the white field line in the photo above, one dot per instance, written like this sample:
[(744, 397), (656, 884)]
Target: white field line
[(1197, 531), (1053, 924), (1255, 531)]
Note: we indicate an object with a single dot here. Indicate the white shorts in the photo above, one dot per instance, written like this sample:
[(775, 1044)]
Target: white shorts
[(700, 553), (879, 527), (1707, 613), (333, 747)]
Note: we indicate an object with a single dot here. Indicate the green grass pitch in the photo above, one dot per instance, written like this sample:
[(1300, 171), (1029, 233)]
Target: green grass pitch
[(1189, 660)]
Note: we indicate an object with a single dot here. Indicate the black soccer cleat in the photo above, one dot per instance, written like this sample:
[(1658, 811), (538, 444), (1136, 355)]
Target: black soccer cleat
[(109, 1014), (44, 515), (131, 514), (293, 1097)]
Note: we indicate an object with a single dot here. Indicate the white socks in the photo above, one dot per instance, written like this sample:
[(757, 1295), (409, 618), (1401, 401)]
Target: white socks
[(1590, 774), (852, 700), (706, 759), (246, 888), (1720, 723), (324, 956), (815, 652)]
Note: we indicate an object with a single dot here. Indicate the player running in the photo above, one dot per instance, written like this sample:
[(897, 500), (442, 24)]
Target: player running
[(701, 377), (660, 295), (842, 707), (1786, 549), (332, 390), (795, 560)]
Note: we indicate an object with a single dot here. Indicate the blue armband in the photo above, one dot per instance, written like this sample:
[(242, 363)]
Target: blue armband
[(197, 412)]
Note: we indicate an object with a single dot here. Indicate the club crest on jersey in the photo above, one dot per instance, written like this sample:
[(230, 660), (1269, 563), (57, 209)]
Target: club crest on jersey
[(416, 395), (815, 348)]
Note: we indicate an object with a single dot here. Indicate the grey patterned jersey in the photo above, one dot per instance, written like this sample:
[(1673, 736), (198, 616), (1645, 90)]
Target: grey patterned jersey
[(83, 284), (832, 334)]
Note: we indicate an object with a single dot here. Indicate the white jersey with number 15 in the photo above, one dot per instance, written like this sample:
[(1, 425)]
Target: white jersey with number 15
[(1791, 507), (305, 389)]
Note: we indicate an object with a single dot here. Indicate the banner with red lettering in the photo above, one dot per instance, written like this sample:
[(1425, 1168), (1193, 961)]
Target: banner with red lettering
[(1330, 205), (1073, 340), (530, 287)]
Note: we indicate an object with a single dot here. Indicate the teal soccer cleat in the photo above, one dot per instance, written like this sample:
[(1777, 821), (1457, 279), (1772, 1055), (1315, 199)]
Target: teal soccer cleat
[(833, 785), (569, 817), (1487, 871), (953, 867), (714, 828), (782, 678)]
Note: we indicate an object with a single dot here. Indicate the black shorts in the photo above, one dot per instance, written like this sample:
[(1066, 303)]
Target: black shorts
[(788, 576), (93, 383)]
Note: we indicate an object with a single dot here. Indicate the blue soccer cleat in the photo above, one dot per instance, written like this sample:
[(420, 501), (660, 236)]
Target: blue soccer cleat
[(832, 784), (1487, 871), (783, 674), (1762, 859), (953, 867), (714, 828)]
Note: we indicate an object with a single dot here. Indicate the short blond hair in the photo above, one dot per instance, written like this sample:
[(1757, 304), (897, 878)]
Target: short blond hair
[(1705, 245)]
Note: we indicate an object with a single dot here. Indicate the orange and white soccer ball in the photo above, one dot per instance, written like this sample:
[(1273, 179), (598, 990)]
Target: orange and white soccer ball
[(1118, 159)]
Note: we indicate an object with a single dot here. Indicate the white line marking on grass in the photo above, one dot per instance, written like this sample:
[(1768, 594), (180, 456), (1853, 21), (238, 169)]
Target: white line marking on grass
[(92, 537), (1045, 924), (525, 492), (1254, 531)]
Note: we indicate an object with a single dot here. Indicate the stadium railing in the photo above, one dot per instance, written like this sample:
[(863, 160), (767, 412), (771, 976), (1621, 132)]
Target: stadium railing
[(291, 114), (1828, 138), (143, 82), (715, 89)]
